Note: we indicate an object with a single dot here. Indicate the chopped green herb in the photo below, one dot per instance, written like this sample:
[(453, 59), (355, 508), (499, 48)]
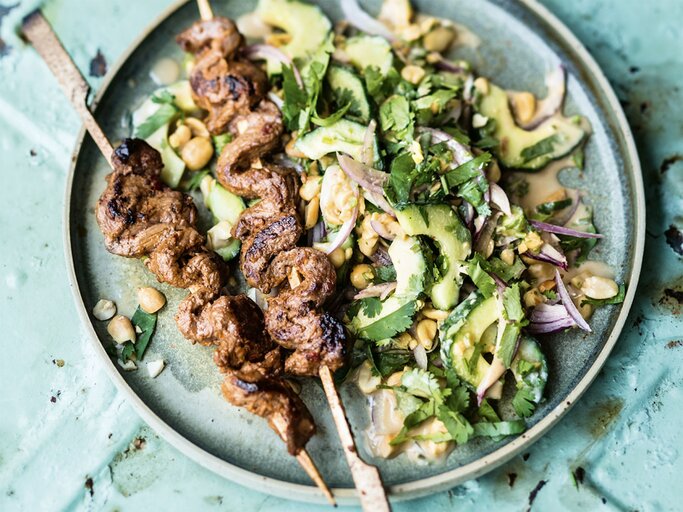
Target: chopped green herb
[(220, 141), (164, 115), (542, 147), (146, 324), (393, 323)]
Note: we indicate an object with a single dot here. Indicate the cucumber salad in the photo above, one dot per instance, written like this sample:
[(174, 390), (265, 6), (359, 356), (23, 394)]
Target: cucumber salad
[(434, 193)]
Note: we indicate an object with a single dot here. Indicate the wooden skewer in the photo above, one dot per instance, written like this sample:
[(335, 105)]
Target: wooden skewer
[(39, 32), (205, 11), (366, 477), (368, 481), (306, 462)]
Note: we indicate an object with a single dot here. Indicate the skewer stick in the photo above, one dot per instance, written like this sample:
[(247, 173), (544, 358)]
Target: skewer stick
[(39, 32), (306, 462), (205, 11), (368, 481)]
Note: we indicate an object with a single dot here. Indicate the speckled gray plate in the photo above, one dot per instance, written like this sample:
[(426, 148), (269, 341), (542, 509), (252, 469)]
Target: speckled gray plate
[(520, 40)]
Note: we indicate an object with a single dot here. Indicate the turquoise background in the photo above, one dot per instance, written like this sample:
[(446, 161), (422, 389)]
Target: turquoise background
[(69, 441)]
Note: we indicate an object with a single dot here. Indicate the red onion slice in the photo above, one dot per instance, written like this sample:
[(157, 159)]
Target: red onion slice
[(381, 230), (376, 290), (461, 153), (551, 327), (561, 230), (369, 144), (499, 198), (267, 51), (568, 303), (421, 356), (363, 21), (347, 228), (276, 99), (546, 313), (555, 83), (371, 180), (549, 254)]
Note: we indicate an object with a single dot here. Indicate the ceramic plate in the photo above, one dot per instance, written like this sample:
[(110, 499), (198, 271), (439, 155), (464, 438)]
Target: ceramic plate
[(520, 40)]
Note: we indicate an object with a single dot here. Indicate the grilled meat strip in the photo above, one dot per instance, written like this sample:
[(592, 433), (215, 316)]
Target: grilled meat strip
[(222, 83), (140, 216)]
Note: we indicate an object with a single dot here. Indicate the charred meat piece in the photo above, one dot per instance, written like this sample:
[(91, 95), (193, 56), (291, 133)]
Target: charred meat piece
[(226, 88), (294, 317), (232, 323), (136, 207), (274, 400), (222, 84), (218, 34), (255, 133)]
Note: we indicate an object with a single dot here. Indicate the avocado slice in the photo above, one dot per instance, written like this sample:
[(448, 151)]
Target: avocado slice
[(467, 334), (529, 150), (364, 51), (442, 224), (411, 267), (344, 136), (305, 23), (347, 87)]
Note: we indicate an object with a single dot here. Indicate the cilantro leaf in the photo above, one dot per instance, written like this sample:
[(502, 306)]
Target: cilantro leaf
[(468, 170), (423, 384), (391, 324), (486, 412), (146, 323), (195, 180), (513, 304), (295, 98), (524, 402), (371, 306), (385, 274), (459, 429), (482, 280), (395, 115), (163, 115), (127, 352), (617, 299), (498, 429), (331, 119)]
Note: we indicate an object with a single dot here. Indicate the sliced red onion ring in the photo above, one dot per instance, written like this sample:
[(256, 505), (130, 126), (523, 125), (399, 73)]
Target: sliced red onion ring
[(447, 65), (461, 153), (492, 375), (367, 177), (363, 21), (569, 303), (369, 144), (499, 198), (371, 180), (483, 238), (561, 230), (317, 233), (549, 254), (546, 313), (555, 83), (376, 290), (347, 228), (421, 356), (550, 327), (267, 51)]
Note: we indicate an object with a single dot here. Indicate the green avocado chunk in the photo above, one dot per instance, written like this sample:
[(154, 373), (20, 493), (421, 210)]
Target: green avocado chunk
[(442, 224), (529, 150)]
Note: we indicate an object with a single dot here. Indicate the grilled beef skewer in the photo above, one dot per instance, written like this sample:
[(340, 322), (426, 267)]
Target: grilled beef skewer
[(302, 279)]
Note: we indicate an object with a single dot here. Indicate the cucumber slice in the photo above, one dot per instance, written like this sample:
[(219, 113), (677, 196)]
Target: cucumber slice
[(529, 150), (347, 87), (442, 224), (305, 23), (344, 136), (364, 51)]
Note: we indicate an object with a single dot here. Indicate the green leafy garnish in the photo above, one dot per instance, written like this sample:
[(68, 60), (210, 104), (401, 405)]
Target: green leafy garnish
[(127, 351), (524, 402), (195, 180), (295, 98), (394, 323), (331, 119), (498, 429), (542, 147), (164, 115), (146, 323), (468, 170), (220, 141)]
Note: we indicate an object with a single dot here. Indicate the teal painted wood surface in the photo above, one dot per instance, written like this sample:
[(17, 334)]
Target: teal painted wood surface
[(68, 441)]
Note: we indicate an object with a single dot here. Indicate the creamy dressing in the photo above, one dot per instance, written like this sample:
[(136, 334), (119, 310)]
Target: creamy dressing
[(165, 71)]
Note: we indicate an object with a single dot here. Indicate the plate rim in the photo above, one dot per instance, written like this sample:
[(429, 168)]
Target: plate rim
[(423, 486)]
